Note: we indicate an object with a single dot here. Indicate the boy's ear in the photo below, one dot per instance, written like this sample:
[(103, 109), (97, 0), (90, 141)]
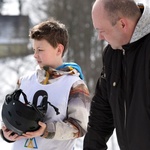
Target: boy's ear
[(60, 49)]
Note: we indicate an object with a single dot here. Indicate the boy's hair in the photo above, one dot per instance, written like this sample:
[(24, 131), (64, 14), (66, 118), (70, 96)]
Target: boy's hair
[(52, 31), (121, 8)]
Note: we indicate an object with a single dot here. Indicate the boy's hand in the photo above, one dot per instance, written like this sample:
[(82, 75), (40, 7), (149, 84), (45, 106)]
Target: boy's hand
[(9, 135), (36, 133)]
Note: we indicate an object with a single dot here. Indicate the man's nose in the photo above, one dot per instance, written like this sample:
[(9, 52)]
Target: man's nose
[(101, 37)]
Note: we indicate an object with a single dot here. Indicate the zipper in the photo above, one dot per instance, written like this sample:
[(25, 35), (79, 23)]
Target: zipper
[(125, 103), (125, 114), (124, 67)]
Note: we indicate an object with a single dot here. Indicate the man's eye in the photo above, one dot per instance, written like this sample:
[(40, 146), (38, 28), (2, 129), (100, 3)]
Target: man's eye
[(101, 31)]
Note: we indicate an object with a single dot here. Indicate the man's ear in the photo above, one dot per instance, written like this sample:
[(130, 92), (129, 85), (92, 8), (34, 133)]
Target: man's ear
[(60, 49), (123, 23)]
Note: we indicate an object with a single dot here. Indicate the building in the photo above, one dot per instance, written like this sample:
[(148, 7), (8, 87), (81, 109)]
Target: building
[(14, 39)]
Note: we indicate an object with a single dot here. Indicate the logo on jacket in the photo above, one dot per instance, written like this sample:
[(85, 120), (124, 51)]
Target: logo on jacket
[(31, 143)]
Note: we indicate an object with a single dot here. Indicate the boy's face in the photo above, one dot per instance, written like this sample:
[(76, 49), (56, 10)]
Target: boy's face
[(45, 54)]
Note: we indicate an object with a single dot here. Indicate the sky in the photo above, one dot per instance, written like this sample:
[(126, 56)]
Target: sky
[(11, 7)]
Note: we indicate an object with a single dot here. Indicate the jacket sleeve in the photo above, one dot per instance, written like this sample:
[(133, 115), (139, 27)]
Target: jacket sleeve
[(75, 123), (100, 125)]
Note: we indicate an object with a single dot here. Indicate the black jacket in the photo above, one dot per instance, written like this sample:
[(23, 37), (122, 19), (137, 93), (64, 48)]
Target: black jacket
[(122, 99)]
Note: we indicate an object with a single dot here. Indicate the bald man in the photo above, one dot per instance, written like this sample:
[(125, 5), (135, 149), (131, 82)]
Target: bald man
[(122, 95)]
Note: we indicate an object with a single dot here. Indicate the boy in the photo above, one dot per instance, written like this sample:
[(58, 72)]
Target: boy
[(64, 85)]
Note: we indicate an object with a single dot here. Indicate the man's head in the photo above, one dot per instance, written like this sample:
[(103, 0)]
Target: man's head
[(52, 31), (115, 20)]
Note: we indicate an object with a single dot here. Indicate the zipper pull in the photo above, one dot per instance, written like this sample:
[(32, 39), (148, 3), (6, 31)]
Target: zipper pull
[(123, 51)]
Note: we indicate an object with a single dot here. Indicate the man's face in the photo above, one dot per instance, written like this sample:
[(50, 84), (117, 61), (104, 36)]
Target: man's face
[(106, 31)]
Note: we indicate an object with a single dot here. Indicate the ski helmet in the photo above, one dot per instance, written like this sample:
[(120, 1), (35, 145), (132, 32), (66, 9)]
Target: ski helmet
[(21, 117)]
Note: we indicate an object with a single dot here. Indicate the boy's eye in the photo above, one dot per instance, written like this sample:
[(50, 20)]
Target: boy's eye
[(39, 50)]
